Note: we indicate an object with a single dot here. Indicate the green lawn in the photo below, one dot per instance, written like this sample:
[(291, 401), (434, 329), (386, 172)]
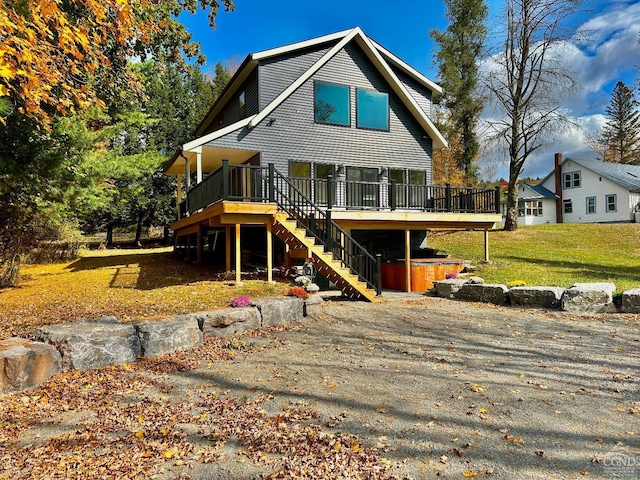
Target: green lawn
[(551, 254)]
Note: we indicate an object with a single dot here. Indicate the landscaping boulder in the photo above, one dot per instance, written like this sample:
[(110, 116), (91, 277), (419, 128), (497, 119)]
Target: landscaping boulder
[(276, 311), (589, 298), (631, 301), (448, 288), (540, 297), (313, 304), (487, 293), (229, 321), (25, 364), (91, 344), (166, 336)]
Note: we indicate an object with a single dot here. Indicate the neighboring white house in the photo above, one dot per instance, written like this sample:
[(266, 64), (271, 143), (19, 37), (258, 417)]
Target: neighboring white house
[(582, 191), (536, 205)]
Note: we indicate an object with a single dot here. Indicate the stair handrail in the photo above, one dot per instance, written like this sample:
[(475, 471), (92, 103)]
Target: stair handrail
[(335, 240)]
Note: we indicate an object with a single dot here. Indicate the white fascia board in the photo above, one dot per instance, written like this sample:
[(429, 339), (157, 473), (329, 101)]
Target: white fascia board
[(407, 68), (303, 78), (297, 46), (438, 140), (198, 142)]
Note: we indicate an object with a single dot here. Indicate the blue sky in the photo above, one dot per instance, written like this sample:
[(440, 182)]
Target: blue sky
[(403, 27)]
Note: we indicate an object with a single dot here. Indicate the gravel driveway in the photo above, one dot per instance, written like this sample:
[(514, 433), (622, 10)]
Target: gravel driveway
[(441, 389), (453, 390)]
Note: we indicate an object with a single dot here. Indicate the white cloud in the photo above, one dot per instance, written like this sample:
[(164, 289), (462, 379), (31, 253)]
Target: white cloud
[(611, 54)]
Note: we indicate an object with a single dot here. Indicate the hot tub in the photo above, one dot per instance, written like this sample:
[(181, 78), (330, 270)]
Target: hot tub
[(424, 271)]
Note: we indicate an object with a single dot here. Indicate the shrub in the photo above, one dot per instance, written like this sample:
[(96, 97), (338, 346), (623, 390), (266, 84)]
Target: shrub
[(452, 275), (241, 301), (517, 283), (297, 292)]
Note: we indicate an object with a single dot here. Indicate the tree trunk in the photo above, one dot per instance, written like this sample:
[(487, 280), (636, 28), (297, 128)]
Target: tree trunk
[(511, 216), (166, 234), (109, 240)]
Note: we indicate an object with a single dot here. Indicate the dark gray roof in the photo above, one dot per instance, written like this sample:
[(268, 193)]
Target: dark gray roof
[(627, 176), (540, 190)]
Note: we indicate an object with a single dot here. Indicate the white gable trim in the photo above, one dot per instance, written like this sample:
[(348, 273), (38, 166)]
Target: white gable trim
[(374, 55), (407, 68), (303, 78), (194, 144), (297, 46), (426, 123)]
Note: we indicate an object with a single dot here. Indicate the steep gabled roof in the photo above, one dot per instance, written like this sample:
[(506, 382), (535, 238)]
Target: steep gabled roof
[(378, 55), (627, 176)]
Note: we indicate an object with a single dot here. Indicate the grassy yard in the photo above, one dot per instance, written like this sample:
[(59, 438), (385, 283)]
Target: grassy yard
[(130, 284), (552, 254)]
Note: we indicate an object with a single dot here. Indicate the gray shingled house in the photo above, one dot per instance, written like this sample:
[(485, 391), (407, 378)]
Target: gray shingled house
[(321, 149)]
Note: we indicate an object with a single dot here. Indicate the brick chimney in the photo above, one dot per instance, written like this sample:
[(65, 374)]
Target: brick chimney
[(558, 176)]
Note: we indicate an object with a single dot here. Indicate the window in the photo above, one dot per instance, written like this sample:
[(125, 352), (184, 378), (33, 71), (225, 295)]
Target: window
[(372, 110), (568, 206), (611, 201), (398, 176), (362, 187), (534, 208), (300, 174), (241, 104), (332, 104), (417, 191), (572, 180), (591, 204), (322, 172)]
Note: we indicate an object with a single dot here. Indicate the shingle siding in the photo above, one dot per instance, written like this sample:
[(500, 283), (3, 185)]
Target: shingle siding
[(295, 136), (276, 74), (231, 111), (421, 94)]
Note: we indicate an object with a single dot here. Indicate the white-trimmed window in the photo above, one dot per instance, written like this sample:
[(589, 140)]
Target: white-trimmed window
[(534, 207), (571, 180), (568, 206), (611, 202), (591, 205)]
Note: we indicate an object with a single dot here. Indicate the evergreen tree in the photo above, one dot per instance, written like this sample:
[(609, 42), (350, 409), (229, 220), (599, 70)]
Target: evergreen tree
[(223, 75), (460, 47), (621, 134)]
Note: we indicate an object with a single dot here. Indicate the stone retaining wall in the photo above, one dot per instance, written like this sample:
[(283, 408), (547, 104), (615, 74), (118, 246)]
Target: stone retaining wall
[(99, 342), (580, 297)]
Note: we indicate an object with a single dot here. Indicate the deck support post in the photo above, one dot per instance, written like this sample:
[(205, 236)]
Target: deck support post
[(238, 255), (407, 258), (392, 195), (378, 274), (269, 253), (447, 197), (486, 245), (227, 231), (179, 195)]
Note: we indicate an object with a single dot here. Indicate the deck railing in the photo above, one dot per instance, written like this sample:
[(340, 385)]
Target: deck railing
[(311, 201), (266, 184)]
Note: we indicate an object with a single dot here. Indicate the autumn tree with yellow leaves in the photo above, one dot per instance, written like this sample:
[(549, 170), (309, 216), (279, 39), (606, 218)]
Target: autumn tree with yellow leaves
[(58, 57), (67, 71)]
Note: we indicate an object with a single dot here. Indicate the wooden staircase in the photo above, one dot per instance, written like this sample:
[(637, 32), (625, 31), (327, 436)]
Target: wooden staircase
[(289, 232)]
